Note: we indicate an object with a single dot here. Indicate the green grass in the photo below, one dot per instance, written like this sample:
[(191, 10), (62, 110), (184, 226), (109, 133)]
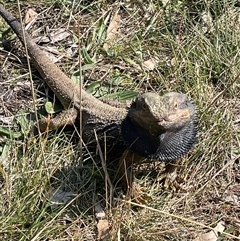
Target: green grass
[(194, 54)]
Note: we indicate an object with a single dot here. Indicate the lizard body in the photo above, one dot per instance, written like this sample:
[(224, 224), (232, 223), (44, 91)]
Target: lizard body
[(159, 127)]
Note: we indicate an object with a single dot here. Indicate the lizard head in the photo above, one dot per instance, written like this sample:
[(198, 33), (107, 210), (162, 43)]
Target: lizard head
[(156, 113), (160, 127)]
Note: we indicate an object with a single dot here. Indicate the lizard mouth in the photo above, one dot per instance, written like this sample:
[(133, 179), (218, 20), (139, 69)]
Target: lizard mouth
[(176, 117)]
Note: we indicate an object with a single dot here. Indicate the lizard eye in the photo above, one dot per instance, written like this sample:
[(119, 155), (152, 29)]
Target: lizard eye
[(175, 105)]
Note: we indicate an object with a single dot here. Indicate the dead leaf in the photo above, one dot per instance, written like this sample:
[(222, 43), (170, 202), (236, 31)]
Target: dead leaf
[(42, 39), (212, 235), (103, 229), (102, 225), (51, 49), (112, 30), (53, 37), (234, 199), (173, 61), (148, 64), (59, 35), (30, 16), (6, 120), (232, 195)]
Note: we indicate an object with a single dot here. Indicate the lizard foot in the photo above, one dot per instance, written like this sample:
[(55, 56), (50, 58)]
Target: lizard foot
[(66, 117), (171, 180), (138, 194)]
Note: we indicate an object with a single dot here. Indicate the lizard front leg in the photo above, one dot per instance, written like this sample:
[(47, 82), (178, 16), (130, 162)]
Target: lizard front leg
[(132, 189), (66, 117), (125, 168)]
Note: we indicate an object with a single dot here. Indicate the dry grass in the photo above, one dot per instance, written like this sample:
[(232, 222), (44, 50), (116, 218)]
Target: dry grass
[(193, 53)]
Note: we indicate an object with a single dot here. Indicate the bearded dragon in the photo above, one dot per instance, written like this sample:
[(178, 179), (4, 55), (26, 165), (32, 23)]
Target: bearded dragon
[(163, 128)]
